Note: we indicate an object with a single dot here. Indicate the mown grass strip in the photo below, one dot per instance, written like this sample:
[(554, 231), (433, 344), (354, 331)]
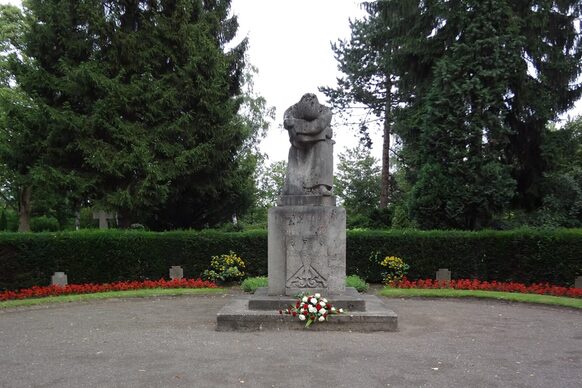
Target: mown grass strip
[(145, 293), (508, 296)]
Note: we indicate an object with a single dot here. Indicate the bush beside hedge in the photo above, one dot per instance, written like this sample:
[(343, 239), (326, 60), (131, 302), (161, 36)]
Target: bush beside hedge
[(105, 256)]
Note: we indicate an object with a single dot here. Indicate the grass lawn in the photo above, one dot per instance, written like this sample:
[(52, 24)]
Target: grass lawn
[(508, 296), (145, 293)]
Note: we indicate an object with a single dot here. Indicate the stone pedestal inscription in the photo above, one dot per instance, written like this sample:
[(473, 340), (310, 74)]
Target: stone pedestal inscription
[(307, 246)]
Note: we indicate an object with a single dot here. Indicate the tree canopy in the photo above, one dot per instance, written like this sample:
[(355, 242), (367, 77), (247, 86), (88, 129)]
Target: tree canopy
[(476, 84), (132, 105)]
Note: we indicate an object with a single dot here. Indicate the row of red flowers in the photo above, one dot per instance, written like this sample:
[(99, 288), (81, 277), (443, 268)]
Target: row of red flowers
[(39, 292), (474, 284)]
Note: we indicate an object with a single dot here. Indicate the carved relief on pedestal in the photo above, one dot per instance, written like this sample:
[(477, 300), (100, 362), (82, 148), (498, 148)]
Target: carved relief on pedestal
[(301, 252)]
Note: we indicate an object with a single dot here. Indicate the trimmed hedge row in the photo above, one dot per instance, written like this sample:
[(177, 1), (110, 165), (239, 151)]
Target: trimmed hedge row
[(526, 255)]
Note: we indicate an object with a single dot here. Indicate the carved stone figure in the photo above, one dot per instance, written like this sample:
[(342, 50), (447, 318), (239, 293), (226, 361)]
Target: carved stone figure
[(310, 165)]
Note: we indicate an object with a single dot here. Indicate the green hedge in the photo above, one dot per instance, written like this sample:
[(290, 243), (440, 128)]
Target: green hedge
[(104, 256), (523, 255)]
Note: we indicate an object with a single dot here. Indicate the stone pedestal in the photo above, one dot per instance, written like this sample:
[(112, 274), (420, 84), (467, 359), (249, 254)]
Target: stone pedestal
[(307, 248), (307, 254)]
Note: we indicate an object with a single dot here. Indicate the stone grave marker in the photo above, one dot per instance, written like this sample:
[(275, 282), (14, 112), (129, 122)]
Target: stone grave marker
[(443, 274), (176, 272), (59, 279), (578, 283), (103, 216)]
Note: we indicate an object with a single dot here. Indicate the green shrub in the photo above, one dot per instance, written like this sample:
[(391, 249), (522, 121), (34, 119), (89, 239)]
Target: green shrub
[(525, 255), (225, 268), (251, 284), (357, 282), (44, 224)]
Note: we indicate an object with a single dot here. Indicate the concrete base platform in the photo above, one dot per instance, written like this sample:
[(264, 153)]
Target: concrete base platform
[(350, 300), (237, 316)]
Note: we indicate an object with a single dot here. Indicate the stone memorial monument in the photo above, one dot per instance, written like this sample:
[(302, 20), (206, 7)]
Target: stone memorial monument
[(307, 231), (307, 239)]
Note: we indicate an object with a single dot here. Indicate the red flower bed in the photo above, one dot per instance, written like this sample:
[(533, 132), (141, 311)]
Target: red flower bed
[(39, 292), (474, 284)]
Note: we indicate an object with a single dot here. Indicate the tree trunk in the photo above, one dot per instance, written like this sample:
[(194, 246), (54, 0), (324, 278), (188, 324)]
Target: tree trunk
[(385, 183), (24, 208), (124, 219)]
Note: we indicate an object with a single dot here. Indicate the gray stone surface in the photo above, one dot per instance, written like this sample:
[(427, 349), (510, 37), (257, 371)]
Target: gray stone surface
[(236, 316), (306, 200), (578, 283), (176, 272), (310, 162), (443, 274), (103, 218), (59, 279), (350, 300), (306, 249), (172, 342)]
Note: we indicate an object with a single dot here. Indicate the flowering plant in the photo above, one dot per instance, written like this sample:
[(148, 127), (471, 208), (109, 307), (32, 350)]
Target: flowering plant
[(312, 308), (89, 288), (396, 269), (475, 284), (225, 268)]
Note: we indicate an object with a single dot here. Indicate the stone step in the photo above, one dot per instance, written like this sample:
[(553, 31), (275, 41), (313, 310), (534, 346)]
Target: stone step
[(236, 316), (350, 300)]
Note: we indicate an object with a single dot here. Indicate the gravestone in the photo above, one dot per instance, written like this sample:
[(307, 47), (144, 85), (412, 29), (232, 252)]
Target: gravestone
[(103, 216), (307, 240), (176, 272), (578, 282), (443, 274), (59, 279)]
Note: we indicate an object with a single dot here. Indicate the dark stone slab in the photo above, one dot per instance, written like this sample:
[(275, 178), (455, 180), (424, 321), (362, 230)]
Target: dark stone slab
[(236, 316), (350, 300)]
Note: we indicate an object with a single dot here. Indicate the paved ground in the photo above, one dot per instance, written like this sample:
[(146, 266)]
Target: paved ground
[(171, 342)]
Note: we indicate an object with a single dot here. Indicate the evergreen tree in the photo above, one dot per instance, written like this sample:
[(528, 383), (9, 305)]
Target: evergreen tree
[(138, 103), (357, 184), (369, 80), (561, 184), (477, 82)]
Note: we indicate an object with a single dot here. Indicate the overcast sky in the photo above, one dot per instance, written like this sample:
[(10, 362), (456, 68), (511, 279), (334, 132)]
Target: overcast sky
[(290, 45)]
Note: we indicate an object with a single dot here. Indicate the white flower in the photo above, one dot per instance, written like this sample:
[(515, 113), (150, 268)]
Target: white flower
[(317, 296), (312, 309), (341, 311), (313, 301), (324, 300), (333, 309), (322, 304), (301, 317), (321, 319), (304, 300)]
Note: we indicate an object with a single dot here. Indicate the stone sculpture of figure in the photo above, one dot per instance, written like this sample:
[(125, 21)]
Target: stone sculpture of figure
[(310, 165)]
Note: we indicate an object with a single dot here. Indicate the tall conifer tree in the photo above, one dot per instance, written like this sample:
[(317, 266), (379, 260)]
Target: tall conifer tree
[(140, 98)]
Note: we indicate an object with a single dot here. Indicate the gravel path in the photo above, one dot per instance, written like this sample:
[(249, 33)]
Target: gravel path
[(171, 342)]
